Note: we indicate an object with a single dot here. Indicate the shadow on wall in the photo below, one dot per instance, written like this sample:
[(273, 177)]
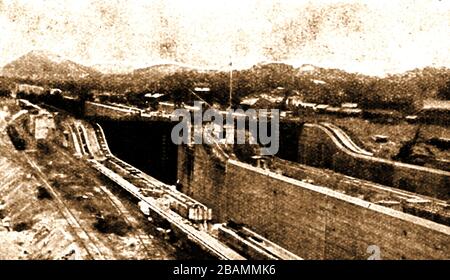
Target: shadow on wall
[(146, 145), (310, 221), (318, 148)]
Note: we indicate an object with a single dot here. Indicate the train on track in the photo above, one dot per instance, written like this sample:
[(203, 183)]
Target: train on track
[(178, 202)]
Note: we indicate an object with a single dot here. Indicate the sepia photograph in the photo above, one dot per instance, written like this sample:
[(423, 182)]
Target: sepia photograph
[(224, 130)]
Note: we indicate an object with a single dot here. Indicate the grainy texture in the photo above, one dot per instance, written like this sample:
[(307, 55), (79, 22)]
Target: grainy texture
[(377, 69), (313, 224), (372, 37), (317, 148)]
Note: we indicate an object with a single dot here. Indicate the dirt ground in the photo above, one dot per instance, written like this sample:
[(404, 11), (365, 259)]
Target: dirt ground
[(53, 206)]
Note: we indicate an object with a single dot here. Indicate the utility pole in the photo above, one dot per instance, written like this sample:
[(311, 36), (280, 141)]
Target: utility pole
[(231, 84)]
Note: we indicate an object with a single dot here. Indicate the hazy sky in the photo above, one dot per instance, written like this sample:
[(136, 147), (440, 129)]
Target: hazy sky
[(372, 37)]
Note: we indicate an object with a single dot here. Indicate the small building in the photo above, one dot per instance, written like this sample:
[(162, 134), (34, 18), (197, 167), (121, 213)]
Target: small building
[(322, 107), (435, 111), (332, 110), (26, 89), (102, 96), (318, 82), (378, 138), (41, 124), (307, 105), (349, 105), (249, 102), (411, 118), (55, 91), (202, 89), (153, 95), (294, 101), (436, 105), (152, 100), (382, 115), (258, 102)]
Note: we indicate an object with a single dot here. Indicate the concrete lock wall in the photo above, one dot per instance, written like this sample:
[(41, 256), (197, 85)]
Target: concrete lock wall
[(98, 110), (317, 148), (313, 222), (318, 223), (202, 177)]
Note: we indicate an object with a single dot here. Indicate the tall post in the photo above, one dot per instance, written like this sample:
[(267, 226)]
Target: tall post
[(231, 84)]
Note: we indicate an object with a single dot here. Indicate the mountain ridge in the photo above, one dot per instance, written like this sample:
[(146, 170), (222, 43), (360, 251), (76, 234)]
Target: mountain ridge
[(39, 65), (316, 82), (60, 66)]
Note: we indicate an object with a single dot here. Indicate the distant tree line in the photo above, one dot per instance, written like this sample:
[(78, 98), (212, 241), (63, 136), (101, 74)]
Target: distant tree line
[(402, 92)]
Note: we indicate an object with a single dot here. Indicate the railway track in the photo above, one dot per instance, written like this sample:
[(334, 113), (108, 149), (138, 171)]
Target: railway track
[(143, 237), (206, 241), (199, 237), (83, 147), (345, 140), (89, 243), (184, 214)]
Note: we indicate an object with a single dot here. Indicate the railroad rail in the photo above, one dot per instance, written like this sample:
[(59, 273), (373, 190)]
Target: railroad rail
[(345, 139), (179, 202), (183, 212), (86, 240), (248, 244), (254, 245), (186, 216), (203, 239)]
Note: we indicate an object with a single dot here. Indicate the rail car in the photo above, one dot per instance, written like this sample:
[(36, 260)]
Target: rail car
[(178, 202), (187, 207)]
